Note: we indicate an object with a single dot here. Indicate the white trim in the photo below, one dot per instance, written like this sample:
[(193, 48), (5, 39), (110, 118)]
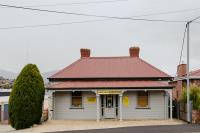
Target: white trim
[(170, 95), (2, 112), (5, 90), (98, 108), (123, 90), (120, 107), (75, 90), (170, 102), (164, 104)]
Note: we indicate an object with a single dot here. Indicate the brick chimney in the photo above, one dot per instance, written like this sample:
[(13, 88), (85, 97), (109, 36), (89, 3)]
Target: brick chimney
[(181, 70), (134, 51), (85, 52)]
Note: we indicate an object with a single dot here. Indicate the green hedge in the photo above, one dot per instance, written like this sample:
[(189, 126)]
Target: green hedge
[(194, 96)]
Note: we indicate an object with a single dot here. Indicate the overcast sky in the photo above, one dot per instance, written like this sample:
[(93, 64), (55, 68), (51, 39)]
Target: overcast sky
[(55, 47)]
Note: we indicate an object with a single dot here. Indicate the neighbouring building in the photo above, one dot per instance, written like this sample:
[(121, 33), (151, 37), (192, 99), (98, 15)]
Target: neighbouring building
[(4, 97), (96, 88), (179, 81), (4, 100)]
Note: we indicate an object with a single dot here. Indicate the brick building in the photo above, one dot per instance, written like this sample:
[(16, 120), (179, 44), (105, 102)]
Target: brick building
[(180, 81)]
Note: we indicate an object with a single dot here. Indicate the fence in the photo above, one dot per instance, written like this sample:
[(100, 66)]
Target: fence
[(180, 111)]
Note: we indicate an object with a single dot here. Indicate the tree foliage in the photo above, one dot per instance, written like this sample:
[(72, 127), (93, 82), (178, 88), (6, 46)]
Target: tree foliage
[(26, 98), (194, 96)]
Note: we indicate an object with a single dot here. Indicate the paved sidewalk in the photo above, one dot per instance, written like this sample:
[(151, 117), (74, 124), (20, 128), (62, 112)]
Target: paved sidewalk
[(61, 125)]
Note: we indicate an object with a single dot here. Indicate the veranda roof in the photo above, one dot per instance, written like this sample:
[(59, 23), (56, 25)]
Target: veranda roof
[(109, 85)]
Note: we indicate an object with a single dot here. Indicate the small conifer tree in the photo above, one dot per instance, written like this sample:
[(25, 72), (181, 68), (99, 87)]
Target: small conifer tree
[(26, 98)]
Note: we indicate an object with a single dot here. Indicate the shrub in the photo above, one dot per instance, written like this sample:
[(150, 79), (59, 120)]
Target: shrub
[(41, 91), (26, 98), (194, 96)]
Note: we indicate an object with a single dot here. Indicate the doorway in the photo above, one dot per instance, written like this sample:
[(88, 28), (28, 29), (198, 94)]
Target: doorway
[(109, 105)]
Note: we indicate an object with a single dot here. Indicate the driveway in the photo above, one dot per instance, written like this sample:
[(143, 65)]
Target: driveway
[(186, 128)]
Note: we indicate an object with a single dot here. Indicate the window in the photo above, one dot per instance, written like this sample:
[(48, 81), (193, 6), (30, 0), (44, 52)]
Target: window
[(77, 99), (142, 100)]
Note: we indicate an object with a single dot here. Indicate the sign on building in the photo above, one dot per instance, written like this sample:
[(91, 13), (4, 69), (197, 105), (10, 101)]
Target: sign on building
[(109, 92)]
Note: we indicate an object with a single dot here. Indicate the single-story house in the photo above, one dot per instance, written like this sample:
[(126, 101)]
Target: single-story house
[(97, 88)]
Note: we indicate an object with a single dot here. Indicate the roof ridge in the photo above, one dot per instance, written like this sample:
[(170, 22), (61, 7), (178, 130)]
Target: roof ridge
[(66, 68), (108, 57), (154, 67)]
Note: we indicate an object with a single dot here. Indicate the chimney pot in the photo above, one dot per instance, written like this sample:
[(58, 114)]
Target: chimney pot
[(85, 52), (181, 70), (134, 51)]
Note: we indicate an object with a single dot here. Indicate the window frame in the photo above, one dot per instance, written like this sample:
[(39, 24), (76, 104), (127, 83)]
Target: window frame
[(148, 98), (71, 105)]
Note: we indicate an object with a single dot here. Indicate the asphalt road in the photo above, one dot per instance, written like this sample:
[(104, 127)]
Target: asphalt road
[(187, 128)]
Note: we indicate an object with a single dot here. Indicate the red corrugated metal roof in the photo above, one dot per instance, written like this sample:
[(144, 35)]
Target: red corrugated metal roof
[(110, 67), (108, 84)]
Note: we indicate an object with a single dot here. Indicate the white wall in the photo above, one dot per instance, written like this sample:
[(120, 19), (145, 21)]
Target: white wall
[(157, 106), (63, 107)]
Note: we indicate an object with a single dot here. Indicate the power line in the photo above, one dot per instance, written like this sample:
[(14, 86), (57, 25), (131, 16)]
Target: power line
[(90, 15), (194, 19), (184, 34), (183, 42), (87, 21), (111, 1), (169, 12), (55, 24), (79, 3)]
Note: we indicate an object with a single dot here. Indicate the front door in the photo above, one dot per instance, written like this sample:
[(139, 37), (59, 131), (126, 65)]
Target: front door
[(110, 106)]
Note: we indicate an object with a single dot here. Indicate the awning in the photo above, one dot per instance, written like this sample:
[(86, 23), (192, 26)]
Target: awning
[(109, 84)]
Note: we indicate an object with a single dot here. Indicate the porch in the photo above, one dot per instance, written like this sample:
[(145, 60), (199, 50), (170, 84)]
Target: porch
[(101, 104)]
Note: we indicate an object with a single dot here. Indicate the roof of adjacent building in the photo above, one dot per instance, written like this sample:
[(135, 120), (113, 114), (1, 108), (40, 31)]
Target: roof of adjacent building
[(109, 84), (195, 73), (110, 67)]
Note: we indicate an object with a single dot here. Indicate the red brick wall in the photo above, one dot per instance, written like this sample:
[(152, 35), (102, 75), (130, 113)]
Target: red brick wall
[(178, 87), (196, 116), (176, 93)]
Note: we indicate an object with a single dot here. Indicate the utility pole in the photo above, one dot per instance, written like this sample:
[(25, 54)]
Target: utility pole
[(188, 68), (188, 71)]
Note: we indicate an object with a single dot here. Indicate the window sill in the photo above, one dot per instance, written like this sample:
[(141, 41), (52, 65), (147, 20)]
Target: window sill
[(142, 108), (76, 108)]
